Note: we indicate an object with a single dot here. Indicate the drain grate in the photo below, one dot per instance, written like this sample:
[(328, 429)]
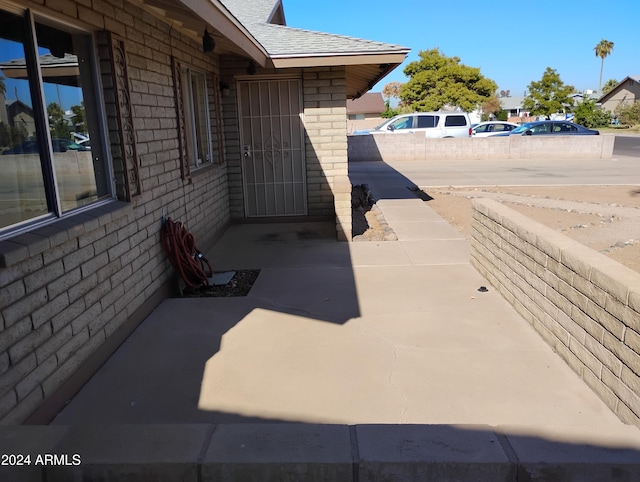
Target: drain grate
[(225, 286)]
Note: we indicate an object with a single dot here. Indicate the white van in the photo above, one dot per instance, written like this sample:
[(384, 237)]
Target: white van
[(433, 124)]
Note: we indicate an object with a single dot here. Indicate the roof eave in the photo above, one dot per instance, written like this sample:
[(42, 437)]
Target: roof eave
[(338, 58), (210, 10)]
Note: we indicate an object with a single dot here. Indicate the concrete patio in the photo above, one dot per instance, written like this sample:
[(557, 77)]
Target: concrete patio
[(346, 361)]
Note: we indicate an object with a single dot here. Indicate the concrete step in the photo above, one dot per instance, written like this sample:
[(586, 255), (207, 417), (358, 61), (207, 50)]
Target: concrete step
[(310, 452)]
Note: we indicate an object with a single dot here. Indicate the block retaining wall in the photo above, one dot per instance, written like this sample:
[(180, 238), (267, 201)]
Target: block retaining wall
[(415, 147), (585, 305)]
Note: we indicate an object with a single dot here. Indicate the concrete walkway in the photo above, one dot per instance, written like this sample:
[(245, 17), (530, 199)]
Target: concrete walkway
[(356, 334), (346, 333)]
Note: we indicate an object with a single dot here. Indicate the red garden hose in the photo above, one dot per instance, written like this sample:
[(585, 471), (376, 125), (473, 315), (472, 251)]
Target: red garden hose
[(180, 247)]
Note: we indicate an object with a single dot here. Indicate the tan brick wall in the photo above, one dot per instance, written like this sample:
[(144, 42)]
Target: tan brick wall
[(325, 123), (65, 288), (585, 305)]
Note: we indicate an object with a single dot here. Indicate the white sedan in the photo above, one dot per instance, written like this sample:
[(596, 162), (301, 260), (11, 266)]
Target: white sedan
[(491, 128)]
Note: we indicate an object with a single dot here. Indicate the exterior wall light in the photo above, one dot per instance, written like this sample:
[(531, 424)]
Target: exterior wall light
[(208, 44)]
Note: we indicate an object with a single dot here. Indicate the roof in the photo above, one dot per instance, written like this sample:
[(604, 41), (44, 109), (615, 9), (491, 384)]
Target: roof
[(290, 47), (633, 78), (511, 103), (64, 69), (369, 103)]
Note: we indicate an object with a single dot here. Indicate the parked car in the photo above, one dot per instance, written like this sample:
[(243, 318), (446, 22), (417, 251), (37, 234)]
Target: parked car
[(433, 124), (59, 145), (491, 128), (545, 128)]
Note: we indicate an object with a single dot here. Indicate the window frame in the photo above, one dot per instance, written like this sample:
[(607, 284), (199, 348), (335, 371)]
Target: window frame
[(191, 131), (44, 140)]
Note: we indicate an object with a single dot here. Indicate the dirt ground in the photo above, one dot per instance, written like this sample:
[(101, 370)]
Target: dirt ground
[(604, 218)]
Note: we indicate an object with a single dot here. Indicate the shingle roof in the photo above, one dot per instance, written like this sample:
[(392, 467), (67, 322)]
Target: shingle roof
[(369, 103), (281, 40)]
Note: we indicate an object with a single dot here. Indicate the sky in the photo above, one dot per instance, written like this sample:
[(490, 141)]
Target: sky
[(511, 42)]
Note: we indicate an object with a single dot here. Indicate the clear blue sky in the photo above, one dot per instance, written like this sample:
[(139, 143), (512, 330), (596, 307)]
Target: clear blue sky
[(511, 42)]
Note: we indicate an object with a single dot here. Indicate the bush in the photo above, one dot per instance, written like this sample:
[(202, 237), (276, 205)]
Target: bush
[(587, 114), (629, 115)]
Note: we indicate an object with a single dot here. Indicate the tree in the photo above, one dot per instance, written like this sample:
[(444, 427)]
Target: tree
[(629, 115), (79, 118), (391, 90), (57, 123), (437, 81), (589, 115), (549, 95), (603, 49), (608, 85), (490, 107)]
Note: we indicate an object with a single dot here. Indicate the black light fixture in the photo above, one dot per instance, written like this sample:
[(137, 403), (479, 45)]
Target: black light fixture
[(252, 68), (208, 44)]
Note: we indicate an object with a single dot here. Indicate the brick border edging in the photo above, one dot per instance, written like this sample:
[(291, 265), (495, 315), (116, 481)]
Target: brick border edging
[(585, 305), (310, 452)]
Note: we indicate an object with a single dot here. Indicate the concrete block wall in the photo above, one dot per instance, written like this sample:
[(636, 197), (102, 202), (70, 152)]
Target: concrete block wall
[(325, 124), (68, 287), (415, 147), (584, 304)]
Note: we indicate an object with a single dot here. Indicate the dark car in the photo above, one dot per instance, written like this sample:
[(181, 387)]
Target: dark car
[(59, 145), (546, 128)]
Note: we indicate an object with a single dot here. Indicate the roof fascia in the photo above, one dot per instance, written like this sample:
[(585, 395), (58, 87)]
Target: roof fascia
[(212, 12), (338, 59)]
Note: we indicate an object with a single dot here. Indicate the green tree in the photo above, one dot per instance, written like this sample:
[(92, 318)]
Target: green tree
[(79, 118), (57, 123), (589, 115), (548, 95), (603, 49), (608, 85), (437, 81)]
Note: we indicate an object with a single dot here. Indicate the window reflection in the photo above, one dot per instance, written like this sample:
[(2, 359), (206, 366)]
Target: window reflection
[(66, 74), (22, 191), (51, 158)]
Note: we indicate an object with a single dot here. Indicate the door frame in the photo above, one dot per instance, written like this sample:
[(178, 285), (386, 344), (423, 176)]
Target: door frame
[(273, 77)]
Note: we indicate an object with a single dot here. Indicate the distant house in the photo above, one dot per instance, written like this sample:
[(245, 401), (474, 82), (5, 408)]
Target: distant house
[(20, 114), (364, 112), (624, 94)]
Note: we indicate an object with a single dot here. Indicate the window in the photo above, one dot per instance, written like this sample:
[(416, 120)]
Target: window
[(425, 121), (402, 123), (455, 121), (196, 113), (50, 147)]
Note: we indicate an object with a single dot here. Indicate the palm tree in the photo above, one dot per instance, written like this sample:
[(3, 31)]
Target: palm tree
[(603, 49)]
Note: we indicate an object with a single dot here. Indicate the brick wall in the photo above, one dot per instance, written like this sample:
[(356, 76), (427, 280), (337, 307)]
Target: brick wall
[(415, 147), (325, 123), (584, 304), (67, 287)]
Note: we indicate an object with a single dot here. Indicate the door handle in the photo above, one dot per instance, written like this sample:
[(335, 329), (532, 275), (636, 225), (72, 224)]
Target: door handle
[(247, 150)]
